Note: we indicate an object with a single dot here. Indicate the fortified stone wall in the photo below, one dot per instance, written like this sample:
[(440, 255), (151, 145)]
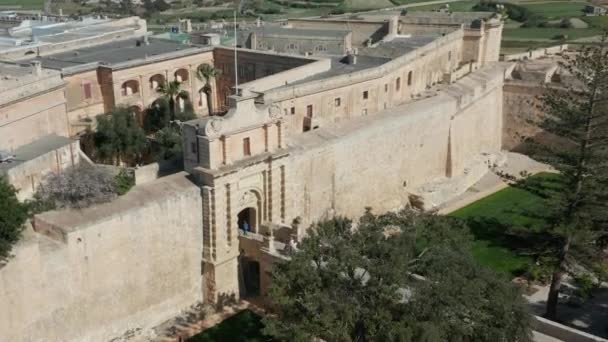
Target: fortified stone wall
[(379, 161), (93, 274), (23, 121), (520, 103)]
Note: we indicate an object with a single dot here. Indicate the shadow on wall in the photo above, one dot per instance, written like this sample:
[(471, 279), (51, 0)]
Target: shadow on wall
[(225, 299)]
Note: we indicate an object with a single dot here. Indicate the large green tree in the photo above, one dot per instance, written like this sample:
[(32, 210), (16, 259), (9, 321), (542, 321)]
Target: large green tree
[(13, 215), (119, 138), (394, 277), (576, 120)]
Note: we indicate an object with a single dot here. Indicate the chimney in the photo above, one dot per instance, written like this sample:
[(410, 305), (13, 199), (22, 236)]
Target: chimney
[(393, 25), (36, 68), (351, 58)]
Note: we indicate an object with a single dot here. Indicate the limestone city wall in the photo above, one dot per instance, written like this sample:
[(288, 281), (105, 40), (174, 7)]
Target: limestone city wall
[(344, 169), (93, 274)]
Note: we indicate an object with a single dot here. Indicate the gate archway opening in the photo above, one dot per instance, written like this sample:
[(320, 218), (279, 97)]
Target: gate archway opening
[(247, 220)]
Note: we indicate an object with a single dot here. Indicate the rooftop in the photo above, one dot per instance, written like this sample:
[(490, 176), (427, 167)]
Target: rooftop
[(398, 46), (21, 80), (34, 150), (339, 66), (116, 52), (285, 32)]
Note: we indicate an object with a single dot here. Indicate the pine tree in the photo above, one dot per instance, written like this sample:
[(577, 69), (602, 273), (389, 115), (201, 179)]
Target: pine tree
[(576, 119)]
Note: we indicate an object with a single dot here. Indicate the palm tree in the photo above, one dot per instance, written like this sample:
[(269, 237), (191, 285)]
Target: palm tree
[(205, 73), (172, 91)]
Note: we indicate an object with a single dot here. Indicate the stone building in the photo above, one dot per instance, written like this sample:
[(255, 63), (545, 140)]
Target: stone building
[(314, 140), (126, 73), (22, 37), (33, 125), (287, 39), (413, 113)]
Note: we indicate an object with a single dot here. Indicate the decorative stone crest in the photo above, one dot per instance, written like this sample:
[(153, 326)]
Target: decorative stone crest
[(213, 127), (274, 111), (247, 198)]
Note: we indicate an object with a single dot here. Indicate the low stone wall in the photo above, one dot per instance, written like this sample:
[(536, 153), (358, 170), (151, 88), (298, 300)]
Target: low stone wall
[(535, 54), (151, 172), (93, 274), (562, 332)]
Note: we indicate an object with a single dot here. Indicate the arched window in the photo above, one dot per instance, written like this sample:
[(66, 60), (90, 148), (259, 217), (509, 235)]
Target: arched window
[(130, 87), (181, 75), (156, 81), (409, 78)]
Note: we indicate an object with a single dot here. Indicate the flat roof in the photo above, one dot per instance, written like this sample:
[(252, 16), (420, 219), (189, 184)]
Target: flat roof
[(115, 52), (19, 80), (398, 46), (339, 66), (299, 32), (34, 150)]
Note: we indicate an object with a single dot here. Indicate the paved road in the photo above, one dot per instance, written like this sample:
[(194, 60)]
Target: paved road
[(538, 337)]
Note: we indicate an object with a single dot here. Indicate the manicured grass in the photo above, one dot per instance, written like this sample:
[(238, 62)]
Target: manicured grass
[(556, 10), (245, 326), (491, 219)]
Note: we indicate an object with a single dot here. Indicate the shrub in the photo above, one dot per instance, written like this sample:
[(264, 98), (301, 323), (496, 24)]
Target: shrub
[(77, 187), (13, 215), (124, 181)]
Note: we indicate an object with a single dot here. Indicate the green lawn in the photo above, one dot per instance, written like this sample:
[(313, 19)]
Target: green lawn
[(492, 217), (245, 326), (557, 10)]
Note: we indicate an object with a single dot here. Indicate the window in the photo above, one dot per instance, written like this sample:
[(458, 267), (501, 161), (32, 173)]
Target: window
[(409, 78), (246, 147), (365, 95), (386, 87), (337, 101), (309, 111), (193, 147), (293, 110), (292, 46), (320, 48), (398, 83), (87, 90)]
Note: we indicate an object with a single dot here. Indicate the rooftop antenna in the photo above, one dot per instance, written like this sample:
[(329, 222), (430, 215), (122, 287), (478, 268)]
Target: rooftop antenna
[(236, 71)]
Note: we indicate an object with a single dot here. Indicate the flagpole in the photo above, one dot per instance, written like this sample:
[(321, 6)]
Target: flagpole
[(236, 70)]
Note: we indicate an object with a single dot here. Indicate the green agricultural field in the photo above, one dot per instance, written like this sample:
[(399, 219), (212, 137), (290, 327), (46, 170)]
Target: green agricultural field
[(25, 4), (539, 33), (492, 217), (597, 22), (458, 6), (359, 5), (557, 10)]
